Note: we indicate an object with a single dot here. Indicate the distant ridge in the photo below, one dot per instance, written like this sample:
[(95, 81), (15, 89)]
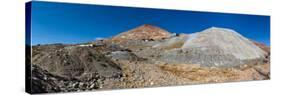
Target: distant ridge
[(142, 32)]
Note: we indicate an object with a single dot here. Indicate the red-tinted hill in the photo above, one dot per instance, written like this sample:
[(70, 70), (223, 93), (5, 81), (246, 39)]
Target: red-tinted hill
[(144, 32)]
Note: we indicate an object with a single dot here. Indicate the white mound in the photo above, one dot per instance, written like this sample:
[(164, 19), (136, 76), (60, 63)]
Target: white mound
[(226, 40), (218, 47)]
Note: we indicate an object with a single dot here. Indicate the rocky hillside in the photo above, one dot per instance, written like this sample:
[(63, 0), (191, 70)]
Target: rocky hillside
[(215, 47), (144, 32), (148, 56)]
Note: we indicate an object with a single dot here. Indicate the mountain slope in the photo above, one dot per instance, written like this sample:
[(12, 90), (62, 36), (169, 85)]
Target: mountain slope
[(217, 47), (144, 32)]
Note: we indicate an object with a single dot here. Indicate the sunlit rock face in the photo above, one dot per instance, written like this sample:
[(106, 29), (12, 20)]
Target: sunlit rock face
[(217, 47), (144, 32)]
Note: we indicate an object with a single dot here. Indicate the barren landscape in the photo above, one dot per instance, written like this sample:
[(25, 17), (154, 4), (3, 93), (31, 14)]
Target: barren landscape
[(149, 56)]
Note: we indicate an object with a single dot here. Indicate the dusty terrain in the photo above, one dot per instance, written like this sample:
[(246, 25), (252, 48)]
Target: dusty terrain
[(148, 56)]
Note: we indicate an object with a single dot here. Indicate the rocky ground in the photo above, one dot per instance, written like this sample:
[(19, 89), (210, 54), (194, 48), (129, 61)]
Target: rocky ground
[(146, 56)]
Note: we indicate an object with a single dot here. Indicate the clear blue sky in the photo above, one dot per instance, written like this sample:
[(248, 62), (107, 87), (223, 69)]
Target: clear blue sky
[(75, 23)]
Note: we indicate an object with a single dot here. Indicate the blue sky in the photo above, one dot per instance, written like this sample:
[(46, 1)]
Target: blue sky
[(77, 23)]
